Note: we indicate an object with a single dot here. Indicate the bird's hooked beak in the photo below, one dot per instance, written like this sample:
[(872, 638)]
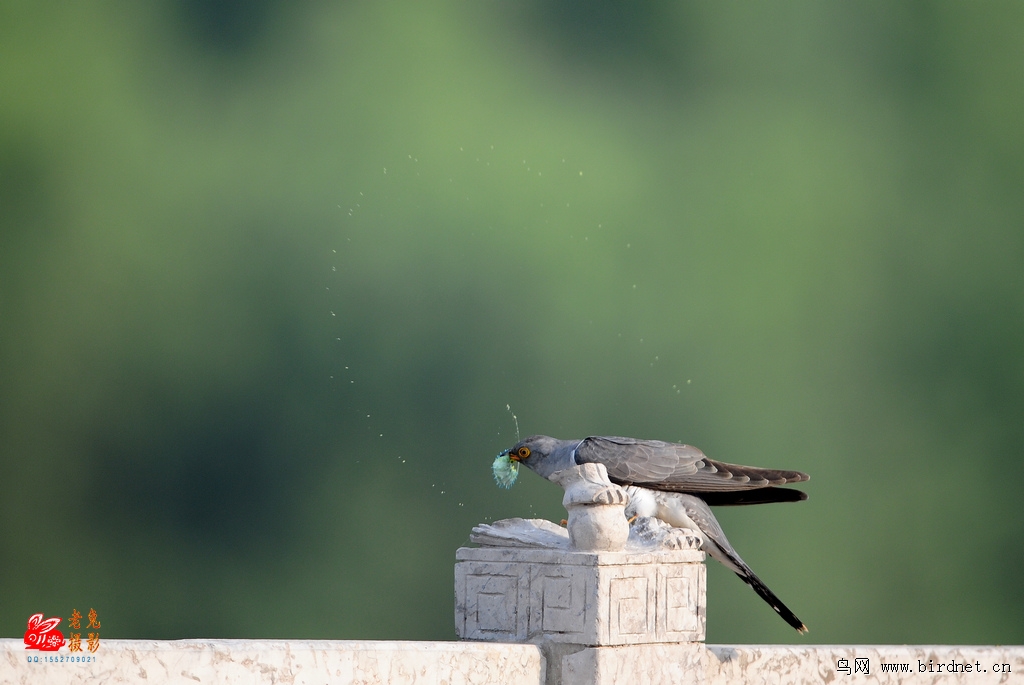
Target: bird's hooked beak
[(511, 455)]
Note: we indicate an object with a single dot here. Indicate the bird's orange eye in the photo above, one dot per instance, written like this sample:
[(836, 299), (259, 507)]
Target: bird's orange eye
[(523, 452)]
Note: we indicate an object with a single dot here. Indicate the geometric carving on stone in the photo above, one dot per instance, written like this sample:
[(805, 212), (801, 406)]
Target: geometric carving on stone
[(679, 617), (562, 603), (586, 598), (489, 601), (492, 607), (629, 602), (684, 606)]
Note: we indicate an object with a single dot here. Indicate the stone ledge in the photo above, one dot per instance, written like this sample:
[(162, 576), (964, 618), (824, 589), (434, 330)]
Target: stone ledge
[(668, 664), (769, 664), (463, 663), (574, 558), (280, 661)]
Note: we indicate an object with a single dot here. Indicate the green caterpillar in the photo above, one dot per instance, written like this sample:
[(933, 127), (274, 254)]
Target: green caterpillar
[(505, 470)]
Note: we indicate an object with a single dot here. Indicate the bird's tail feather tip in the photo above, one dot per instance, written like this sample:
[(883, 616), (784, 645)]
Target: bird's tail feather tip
[(784, 612)]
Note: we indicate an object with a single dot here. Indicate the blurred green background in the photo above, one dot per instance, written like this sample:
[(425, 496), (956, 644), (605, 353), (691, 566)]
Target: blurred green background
[(270, 273)]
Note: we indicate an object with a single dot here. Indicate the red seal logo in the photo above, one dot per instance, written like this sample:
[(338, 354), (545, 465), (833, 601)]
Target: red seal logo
[(42, 634)]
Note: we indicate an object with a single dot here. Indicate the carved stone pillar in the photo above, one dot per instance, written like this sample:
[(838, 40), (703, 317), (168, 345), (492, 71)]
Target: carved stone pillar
[(585, 598), (587, 609)]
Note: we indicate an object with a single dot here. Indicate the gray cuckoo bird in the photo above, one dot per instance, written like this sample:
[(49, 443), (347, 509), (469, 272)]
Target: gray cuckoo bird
[(674, 483)]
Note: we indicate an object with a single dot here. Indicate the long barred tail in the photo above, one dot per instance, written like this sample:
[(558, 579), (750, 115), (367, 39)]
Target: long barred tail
[(774, 602), (698, 513)]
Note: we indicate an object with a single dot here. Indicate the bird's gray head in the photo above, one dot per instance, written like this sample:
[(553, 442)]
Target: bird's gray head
[(544, 455)]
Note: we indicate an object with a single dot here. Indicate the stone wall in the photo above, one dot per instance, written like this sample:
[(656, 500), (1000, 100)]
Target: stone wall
[(299, 662)]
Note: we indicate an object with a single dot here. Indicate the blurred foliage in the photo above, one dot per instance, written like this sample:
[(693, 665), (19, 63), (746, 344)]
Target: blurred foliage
[(270, 273)]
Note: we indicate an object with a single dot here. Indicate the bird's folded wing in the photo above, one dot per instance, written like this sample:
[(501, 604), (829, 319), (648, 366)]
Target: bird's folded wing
[(675, 467)]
